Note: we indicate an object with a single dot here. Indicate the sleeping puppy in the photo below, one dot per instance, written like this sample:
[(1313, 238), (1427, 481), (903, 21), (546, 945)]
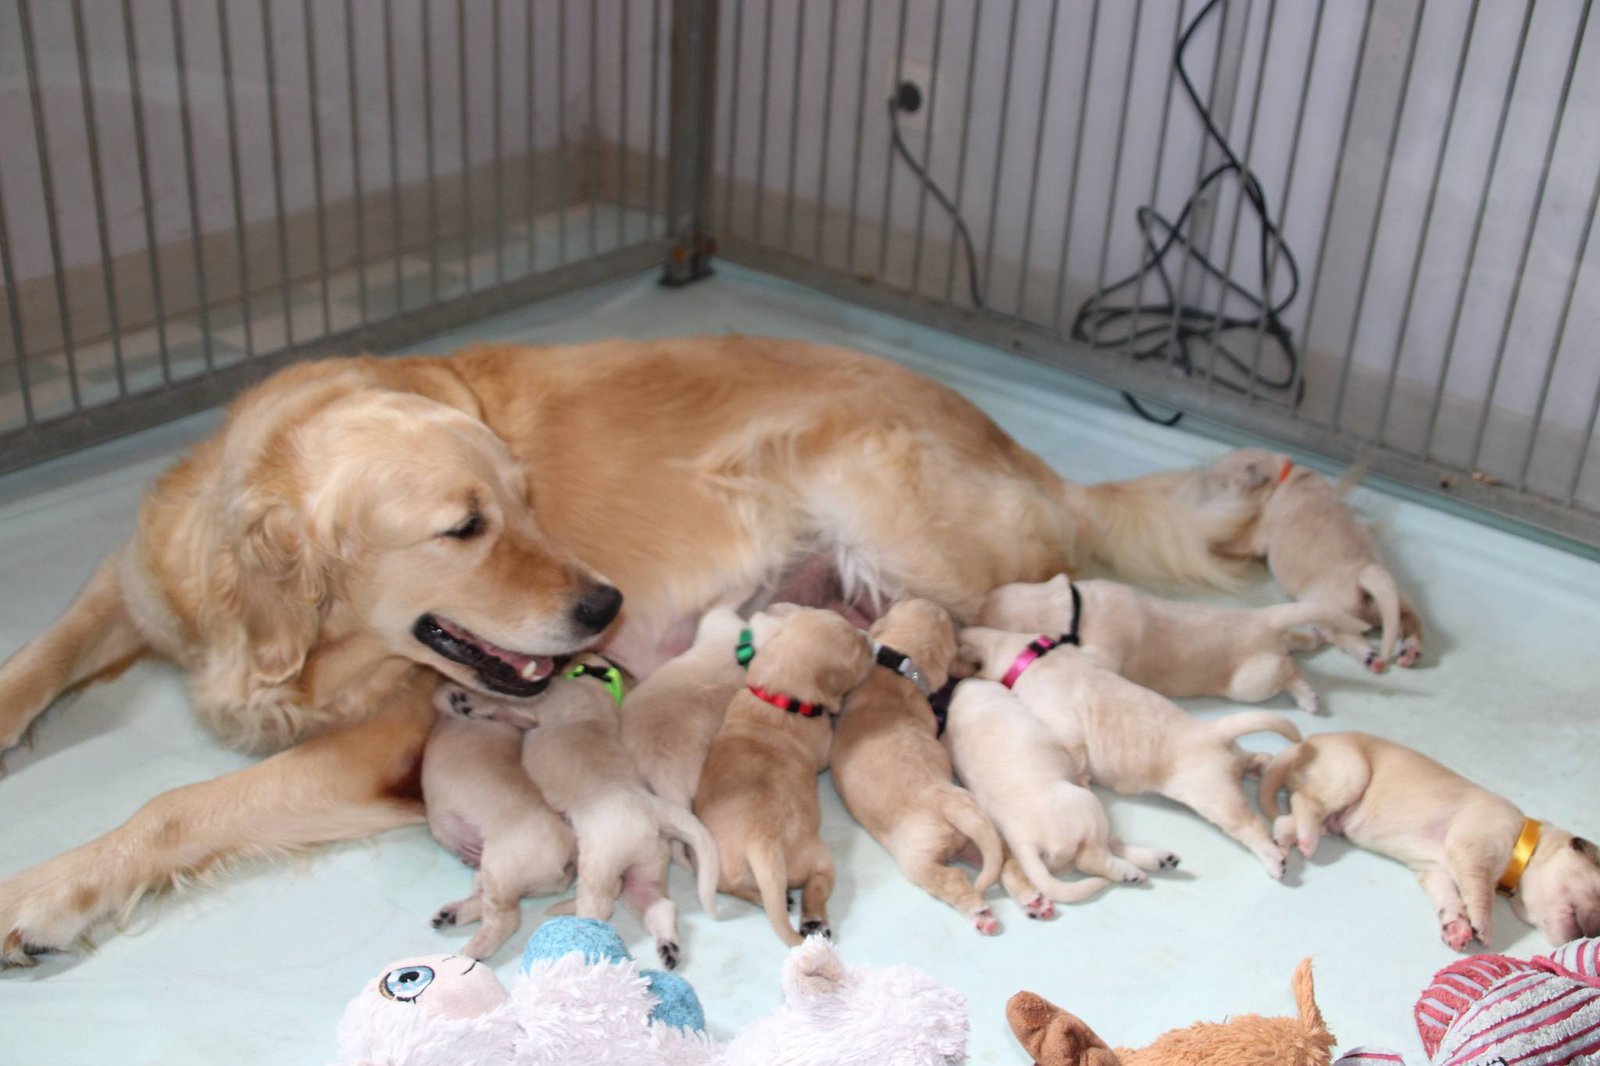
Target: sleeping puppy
[(1318, 551), (758, 790), (481, 805), (1177, 649), (585, 772), (1026, 783), (1130, 739), (895, 777), (1461, 839)]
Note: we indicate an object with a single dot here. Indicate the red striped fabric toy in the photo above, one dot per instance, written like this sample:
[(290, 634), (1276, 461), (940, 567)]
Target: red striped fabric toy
[(1490, 1010)]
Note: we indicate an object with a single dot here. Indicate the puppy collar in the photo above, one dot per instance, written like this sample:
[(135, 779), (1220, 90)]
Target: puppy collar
[(1042, 645), (902, 664), (745, 650), (785, 702), (607, 675), (939, 704), (1526, 845), (1284, 471)]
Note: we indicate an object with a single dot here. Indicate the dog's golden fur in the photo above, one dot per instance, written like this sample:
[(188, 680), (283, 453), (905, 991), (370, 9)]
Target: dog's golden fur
[(285, 561)]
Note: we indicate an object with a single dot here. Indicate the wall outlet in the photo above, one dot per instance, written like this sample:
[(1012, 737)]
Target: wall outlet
[(918, 72)]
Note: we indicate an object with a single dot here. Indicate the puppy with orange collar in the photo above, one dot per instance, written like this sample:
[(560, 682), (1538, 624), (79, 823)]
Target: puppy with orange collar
[(1462, 840)]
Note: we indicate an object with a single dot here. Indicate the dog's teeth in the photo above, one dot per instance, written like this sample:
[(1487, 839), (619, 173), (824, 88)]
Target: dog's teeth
[(531, 671)]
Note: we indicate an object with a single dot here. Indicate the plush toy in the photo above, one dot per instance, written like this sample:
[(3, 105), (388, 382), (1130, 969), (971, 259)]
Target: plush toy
[(582, 1000), (1494, 1009), (1055, 1038)]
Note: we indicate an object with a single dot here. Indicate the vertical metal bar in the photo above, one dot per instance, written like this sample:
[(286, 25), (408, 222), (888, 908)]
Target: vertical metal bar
[(41, 141), (1000, 150), (1377, 221), (1477, 231), (1275, 253), (1527, 243), (593, 173), (655, 111), (1038, 152), (1116, 158), (861, 121), (692, 104), (734, 96), (353, 89), (496, 43), (887, 217), (235, 177), (794, 126), (196, 238), (1427, 220), (277, 169), (827, 131), (761, 120), (955, 243), (622, 129), (530, 200), (14, 312), (1333, 196), (927, 147), (427, 138), (1062, 264), (92, 132), (464, 91), (146, 202), (561, 131), (391, 90), (316, 162), (1586, 447)]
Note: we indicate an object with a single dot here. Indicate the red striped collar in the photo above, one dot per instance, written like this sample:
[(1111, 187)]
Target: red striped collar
[(785, 702)]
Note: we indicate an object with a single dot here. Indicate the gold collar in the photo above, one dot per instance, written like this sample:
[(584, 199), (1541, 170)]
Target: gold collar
[(1526, 843)]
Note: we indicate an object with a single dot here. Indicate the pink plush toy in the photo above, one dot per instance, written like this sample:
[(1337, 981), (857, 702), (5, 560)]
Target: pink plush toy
[(1493, 1009)]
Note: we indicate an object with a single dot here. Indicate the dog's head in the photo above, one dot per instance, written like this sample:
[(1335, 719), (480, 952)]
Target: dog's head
[(923, 630), (1560, 890), (1045, 606), (405, 517), (816, 655), (1249, 473), (991, 652)]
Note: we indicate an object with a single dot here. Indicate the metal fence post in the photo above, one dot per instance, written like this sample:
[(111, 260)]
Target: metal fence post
[(692, 125)]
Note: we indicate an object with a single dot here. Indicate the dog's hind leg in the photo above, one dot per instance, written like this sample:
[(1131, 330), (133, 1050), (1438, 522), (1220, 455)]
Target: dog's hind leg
[(462, 911), (948, 884), (1144, 858), (1034, 904), (644, 891), (814, 892), (501, 903), (1212, 791), (1410, 650), (95, 636)]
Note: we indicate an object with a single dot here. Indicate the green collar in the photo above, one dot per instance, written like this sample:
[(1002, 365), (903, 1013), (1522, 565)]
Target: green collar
[(745, 650), (607, 675)]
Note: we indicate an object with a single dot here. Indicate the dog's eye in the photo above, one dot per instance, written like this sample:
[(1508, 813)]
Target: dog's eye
[(406, 983), (472, 527)]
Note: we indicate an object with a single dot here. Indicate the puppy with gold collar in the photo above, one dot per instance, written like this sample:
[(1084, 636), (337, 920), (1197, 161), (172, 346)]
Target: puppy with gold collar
[(1462, 840)]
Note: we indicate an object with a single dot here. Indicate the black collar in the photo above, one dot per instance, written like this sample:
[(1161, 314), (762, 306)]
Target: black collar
[(1071, 635), (939, 703), (902, 664)]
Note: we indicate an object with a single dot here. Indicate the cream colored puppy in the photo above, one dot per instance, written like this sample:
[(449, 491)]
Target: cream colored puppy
[(1461, 839), (1130, 739), (585, 772), (1319, 552), (1026, 782), (895, 777), (482, 806), (1177, 649), (758, 790)]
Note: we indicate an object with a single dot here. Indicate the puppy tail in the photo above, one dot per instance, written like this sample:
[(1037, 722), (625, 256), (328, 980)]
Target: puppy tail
[(1235, 726), (1167, 526), (1379, 584), (1286, 616), (962, 811), (1306, 1003), (680, 823), (1274, 777), (1058, 890), (771, 872)]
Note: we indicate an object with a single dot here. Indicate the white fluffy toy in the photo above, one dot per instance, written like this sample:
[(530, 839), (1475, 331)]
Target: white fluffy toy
[(582, 1000)]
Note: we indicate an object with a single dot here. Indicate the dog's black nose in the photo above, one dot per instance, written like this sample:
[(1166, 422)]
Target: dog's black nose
[(597, 607)]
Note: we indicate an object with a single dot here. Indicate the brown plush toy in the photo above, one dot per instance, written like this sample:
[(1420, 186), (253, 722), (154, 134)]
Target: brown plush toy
[(1055, 1038)]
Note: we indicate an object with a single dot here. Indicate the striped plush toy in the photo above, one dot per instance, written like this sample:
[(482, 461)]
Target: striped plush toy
[(1490, 1009)]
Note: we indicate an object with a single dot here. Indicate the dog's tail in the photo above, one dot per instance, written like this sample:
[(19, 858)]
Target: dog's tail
[(962, 811), (1273, 778), (1286, 616), (1164, 526), (1316, 1030), (1235, 726), (1379, 584), (680, 823), (1061, 891), (771, 872)]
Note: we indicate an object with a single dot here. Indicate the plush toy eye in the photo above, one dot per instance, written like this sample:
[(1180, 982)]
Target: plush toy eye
[(406, 983)]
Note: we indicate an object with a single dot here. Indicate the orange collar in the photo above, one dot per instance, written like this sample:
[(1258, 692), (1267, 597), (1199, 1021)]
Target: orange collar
[(1520, 854), (1283, 473)]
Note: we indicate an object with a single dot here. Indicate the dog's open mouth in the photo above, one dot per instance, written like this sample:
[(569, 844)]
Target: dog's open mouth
[(500, 670)]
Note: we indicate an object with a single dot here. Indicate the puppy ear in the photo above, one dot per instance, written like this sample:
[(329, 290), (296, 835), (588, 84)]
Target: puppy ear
[(1060, 581), (1587, 850)]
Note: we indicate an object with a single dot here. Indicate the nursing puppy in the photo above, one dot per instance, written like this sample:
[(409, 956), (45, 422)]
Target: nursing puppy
[(1028, 784), (481, 805), (895, 777), (585, 772), (1132, 740), (1319, 552), (758, 790), (1177, 649), (1461, 839)]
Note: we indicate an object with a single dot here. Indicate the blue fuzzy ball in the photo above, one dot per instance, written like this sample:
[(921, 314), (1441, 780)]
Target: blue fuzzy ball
[(676, 1003), (595, 940)]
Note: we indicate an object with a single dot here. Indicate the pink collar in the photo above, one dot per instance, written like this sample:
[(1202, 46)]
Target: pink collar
[(1037, 648)]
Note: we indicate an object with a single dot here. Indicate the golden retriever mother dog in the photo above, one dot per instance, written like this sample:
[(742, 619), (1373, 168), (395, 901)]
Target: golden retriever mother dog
[(484, 514)]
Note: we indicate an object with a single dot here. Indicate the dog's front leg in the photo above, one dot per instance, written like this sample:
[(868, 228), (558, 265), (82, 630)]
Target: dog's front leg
[(1454, 928), (347, 783)]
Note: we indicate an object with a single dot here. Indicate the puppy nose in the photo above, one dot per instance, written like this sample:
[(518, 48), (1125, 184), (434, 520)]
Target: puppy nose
[(597, 607)]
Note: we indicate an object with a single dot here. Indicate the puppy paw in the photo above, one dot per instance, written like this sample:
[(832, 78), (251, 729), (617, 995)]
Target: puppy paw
[(816, 927), (1126, 872), (1410, 653), (985, 922), (1457, 933), (1276, 863), (1283, 831), (445, 917), (1374, 662), (669, 953), (1040, 907), (1168, 861), (1308, 846), (789, 900)]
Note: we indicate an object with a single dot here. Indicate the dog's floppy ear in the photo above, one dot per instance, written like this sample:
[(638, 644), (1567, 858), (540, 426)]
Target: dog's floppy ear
[(1587, 850), (280, 580)]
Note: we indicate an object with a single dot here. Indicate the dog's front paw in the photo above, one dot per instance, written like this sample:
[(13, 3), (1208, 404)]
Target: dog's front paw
[(1283, 831), (1040, 908), (669, 953), (816, 927), (1410, 653), (1168, 861), (445, 917), (985, 922), (1374, 662), (42, 912), (1126, 872), (1457, 933)]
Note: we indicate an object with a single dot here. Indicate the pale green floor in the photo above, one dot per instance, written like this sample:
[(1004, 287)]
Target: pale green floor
[(258, 969)]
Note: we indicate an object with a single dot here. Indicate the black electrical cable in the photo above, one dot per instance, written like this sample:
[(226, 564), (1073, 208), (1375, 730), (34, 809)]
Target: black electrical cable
[(1178, 325)]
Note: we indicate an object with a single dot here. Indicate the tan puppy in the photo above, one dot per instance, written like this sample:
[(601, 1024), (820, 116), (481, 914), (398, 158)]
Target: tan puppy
[(584, 771), (482, 806), (1028, 784), (1135, 741), (1177, 649), (758, 790), (1458, 837), (1319, 552), (895, 777)]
